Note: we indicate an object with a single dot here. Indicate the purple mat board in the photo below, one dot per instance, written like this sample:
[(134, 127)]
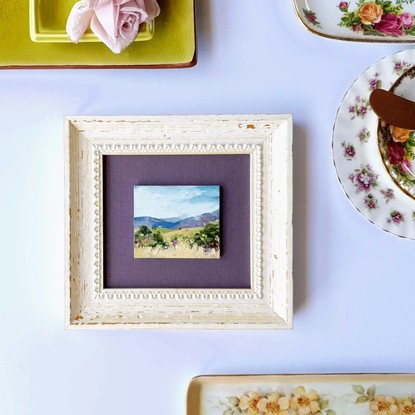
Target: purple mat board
[(122, 173)]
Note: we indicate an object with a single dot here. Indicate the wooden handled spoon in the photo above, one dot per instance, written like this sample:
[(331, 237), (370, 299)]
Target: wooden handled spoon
[(394, 110)]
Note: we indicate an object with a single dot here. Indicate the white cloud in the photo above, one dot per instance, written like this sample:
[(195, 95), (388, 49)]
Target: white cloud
[(175, 201)]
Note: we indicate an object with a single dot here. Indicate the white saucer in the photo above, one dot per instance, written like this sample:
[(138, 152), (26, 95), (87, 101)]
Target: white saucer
[(357, 159)]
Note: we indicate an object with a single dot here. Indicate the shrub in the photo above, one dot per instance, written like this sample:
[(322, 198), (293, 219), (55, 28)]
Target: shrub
[(208, 237)]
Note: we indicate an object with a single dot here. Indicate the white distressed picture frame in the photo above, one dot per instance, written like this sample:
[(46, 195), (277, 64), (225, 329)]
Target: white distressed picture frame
[(267, 139)]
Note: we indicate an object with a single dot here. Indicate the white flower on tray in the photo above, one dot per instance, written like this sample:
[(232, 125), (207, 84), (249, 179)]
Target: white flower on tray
[(114, 22)]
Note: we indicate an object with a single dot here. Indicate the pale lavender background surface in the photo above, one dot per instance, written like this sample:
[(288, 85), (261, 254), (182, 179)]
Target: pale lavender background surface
[(354, 284), (230, 172)]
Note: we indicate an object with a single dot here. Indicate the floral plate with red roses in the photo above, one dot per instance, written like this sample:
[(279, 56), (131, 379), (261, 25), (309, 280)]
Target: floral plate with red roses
[(375, 162), (359, 20)]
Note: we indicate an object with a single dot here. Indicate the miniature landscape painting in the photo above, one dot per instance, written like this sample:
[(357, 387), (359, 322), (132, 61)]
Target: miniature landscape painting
[(176, 222)]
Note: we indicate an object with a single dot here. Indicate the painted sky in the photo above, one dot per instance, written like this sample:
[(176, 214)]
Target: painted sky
[(175, 201)]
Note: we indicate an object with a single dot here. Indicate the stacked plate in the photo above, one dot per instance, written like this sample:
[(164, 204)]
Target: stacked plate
[(374, 163)]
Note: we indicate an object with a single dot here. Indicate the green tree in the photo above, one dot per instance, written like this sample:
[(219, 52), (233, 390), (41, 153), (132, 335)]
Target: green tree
[(158, 239), (144, 231), (141, 234), (208, 237)]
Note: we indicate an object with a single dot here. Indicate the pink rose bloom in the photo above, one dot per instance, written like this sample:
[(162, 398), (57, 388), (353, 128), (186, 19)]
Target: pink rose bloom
[(390, 24), (311, 18), (407, 19), (396, 152), (343, 6), (114, 22)]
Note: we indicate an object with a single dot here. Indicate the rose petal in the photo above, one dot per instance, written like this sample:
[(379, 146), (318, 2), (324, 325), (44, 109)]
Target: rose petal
[(79, 19), (128, 27), (107, 15), (152, 8), (118, 46), (101, 3), (135, 7)]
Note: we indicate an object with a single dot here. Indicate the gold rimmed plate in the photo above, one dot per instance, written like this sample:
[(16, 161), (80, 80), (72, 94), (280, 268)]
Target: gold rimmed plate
[(391, 21), (358, 161)]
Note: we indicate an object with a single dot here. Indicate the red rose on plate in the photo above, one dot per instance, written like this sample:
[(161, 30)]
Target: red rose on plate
[(343, 6), (407, 20), (389, 24), (396, 153)]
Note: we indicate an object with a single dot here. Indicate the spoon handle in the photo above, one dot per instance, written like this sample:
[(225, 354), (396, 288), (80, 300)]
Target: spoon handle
[(392, 109)]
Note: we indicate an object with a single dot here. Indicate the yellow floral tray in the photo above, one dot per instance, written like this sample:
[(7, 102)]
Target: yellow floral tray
[(173, 44), (302, 395)]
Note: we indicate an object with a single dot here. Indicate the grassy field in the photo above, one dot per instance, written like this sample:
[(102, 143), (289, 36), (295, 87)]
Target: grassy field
[(169, 234), (182, 250), (180, 238)]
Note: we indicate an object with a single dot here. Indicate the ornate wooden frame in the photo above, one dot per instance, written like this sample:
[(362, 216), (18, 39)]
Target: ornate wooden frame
[(266, 305)]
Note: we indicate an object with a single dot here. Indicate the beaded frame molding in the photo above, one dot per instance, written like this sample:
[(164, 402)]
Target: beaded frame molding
[(267, 139)]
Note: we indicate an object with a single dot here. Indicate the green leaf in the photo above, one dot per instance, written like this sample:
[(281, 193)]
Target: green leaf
[(359, 389), (362, 399), (233, 400), (324, 404), (371, 392), (330, 412), (410, 142)]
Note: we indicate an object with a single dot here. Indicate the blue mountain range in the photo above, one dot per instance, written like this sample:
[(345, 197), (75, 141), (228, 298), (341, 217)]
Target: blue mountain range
[(176, 223)]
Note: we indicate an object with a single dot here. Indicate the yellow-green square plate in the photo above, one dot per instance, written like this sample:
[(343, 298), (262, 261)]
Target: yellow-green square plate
[(47, 19), (173, 44)]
